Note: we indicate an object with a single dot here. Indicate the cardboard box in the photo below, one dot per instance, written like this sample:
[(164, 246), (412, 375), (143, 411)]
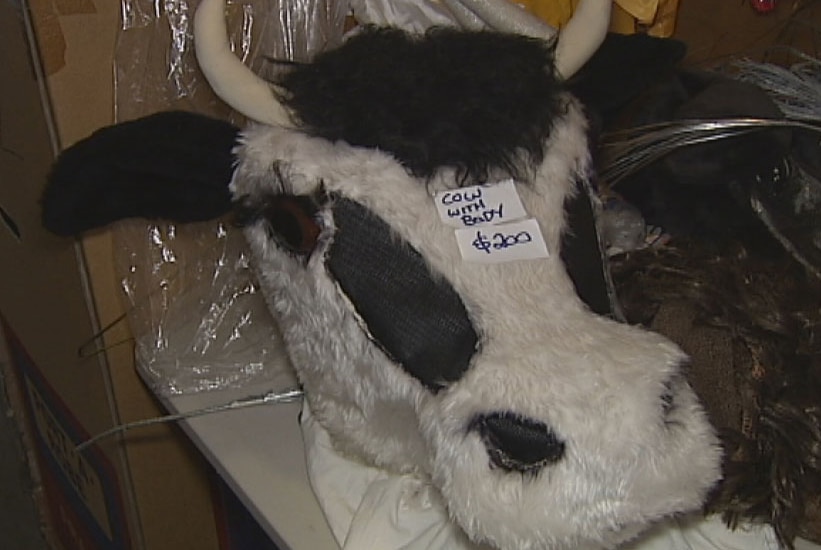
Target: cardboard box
[(715, 31), (149, 489)]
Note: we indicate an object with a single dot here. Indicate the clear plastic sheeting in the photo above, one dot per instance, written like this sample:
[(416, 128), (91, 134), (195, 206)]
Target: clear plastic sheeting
[(193, 306), (155, 65), (199, 320), (411, 15)]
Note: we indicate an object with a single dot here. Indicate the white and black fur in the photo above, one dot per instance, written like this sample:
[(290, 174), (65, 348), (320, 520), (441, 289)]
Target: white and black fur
[(637, 446), (555, 427)]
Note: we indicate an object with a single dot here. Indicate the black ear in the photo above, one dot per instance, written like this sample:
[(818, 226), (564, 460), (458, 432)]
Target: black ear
[(583, 256), (621, 69), (174, 166)]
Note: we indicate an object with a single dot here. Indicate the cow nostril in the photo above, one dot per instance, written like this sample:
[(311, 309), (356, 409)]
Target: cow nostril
[(517, 444), (668, 399)]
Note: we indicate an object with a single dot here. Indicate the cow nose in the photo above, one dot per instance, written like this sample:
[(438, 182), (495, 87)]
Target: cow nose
[(517, 444)]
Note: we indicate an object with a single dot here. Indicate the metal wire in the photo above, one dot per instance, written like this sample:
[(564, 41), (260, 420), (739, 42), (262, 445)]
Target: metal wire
[(289, 395)]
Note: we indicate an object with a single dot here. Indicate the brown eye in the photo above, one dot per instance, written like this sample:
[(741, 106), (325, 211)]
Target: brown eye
[(290, 220)]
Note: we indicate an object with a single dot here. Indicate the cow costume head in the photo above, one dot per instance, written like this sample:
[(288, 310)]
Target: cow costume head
[(460, 353)]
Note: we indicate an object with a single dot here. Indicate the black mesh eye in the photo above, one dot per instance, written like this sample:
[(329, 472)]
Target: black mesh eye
[(414, 315), (290, 220)]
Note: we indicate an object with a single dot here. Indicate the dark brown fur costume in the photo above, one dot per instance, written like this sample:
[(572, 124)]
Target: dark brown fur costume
[(750, 317)]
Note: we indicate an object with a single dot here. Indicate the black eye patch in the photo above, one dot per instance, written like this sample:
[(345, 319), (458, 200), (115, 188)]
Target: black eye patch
[(290, 220), (415, 317)]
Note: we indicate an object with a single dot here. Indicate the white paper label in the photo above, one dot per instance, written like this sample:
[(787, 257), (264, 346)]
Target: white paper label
[(509, 242), (480, 205)]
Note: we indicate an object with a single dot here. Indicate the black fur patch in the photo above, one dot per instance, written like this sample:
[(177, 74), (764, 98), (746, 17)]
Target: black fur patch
[(473, 101)]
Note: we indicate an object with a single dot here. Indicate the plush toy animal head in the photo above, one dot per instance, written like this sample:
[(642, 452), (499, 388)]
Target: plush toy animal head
[(544, 425), (441, 342)]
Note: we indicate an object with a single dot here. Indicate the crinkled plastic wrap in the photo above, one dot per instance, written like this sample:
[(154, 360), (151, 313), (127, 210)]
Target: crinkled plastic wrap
[(198, 320)]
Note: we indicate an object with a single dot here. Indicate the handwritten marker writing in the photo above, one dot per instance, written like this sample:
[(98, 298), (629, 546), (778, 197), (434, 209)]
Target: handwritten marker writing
[(515, 241), (500, 240), (480, 205)]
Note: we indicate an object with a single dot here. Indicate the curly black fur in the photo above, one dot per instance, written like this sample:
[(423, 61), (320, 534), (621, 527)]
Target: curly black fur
[(473, 101)]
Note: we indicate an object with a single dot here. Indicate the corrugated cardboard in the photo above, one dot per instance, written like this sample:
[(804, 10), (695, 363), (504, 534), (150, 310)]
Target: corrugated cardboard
[(151, 489)]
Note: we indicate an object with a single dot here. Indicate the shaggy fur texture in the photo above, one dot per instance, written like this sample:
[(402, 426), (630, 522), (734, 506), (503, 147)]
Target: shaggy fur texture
[(622, 440), (635, 443), (469, 101), (750, 317)]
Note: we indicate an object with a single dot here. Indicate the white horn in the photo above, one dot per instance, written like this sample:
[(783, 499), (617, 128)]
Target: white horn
[(505, 16), (231, 80), (463, 16), (578, 39), (582, 35)]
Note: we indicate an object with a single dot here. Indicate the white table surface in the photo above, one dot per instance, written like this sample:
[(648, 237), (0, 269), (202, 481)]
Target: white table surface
[(259, 453)]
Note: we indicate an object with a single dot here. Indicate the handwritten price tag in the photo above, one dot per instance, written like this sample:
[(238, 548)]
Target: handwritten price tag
[(509, 242), (480, 205)]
